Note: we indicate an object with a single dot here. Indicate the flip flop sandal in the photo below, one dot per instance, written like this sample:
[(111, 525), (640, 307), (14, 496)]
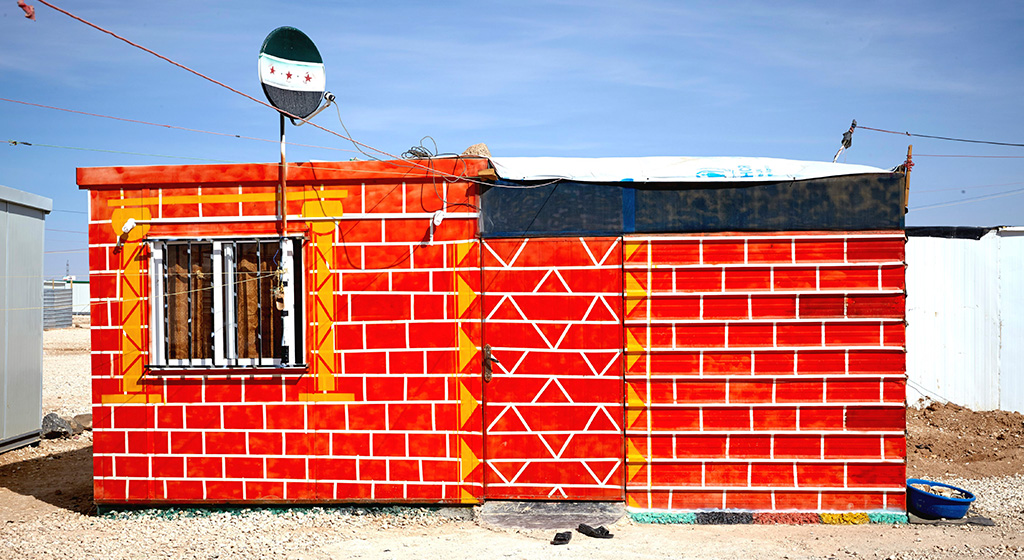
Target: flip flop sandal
[(598, 533), (562, 538)]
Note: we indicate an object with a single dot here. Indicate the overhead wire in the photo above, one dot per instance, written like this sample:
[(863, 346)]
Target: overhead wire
[(951, 139), (247, 96), (968, 200), (968, 156), (917, 191), (170, 126), (252, 277), (79, 148)]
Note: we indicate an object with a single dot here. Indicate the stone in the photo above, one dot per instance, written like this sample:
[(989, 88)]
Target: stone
[(84, 420), (477, 150), (55, 427)]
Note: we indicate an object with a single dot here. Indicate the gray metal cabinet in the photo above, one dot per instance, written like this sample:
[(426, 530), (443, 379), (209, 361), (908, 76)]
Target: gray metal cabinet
[(22, 217)]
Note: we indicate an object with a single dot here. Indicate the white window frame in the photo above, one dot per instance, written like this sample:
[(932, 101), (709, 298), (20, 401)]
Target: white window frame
[(225, 352)]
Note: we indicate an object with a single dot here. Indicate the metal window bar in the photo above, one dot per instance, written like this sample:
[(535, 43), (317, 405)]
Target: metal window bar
[(259, 304), (230, 305), (166, 301), (211, 340), (188, 301)]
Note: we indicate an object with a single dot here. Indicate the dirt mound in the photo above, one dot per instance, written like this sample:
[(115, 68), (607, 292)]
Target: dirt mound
[(946, 439)]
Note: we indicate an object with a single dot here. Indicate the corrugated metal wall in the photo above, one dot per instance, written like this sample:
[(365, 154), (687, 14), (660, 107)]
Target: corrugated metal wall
[(964, 304), (56, 306), (1011, 318), (21, 330)]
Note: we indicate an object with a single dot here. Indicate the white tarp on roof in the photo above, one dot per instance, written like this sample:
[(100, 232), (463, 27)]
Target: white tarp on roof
[(670, 169)]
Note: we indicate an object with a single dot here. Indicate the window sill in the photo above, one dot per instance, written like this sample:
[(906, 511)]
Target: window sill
[(226, 371)]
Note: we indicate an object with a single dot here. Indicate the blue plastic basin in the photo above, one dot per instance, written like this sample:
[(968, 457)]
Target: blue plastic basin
[(932, 506)]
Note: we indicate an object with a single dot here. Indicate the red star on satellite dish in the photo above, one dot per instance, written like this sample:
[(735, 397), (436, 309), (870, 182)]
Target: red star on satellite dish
[(288, 75), (308, 78), (271, 69)]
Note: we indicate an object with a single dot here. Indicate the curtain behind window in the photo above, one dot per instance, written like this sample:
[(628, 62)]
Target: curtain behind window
[(190, 301), (259, 321)]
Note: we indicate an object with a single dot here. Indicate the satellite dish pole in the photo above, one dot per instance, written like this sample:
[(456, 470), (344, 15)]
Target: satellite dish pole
[(282, 179), (292, 73)]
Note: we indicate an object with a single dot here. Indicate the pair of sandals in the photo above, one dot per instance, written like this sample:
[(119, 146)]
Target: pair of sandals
[(597, 533)]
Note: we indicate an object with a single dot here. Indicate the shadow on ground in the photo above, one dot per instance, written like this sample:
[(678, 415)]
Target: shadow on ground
[(63, 480)]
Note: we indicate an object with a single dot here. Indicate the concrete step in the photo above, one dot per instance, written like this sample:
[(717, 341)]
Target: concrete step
[(549, 515)]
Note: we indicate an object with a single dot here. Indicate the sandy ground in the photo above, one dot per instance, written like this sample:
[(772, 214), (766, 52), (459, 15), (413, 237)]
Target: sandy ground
[(46, 510)]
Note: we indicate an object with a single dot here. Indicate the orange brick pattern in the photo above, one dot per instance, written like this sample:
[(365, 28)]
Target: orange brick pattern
[(552, 313), (388, 412), (765, 372)]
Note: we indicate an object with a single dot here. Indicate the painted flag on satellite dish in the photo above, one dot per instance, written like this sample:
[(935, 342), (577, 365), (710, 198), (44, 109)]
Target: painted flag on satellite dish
[(292, 72)]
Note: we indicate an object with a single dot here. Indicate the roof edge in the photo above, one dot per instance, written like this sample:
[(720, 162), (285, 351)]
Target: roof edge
[(672, 169), (27, 199)]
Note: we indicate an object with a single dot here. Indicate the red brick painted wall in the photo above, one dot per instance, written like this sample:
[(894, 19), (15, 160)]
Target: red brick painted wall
[(388, 408), (761, 372), (765, 372)]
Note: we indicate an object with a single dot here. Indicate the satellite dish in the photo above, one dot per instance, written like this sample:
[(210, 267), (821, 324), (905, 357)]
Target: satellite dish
[(292, 72)]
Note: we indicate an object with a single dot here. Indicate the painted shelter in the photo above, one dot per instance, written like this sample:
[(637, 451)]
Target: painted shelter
[(675, 333)]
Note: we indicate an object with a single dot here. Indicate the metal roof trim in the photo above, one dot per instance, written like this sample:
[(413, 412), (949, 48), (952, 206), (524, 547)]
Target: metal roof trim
[(27, 199)]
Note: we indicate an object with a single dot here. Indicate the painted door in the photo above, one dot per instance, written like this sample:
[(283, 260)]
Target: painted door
[(553, 405)]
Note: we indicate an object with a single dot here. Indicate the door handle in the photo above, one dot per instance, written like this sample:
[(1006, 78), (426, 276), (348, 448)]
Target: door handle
[(488, 368)]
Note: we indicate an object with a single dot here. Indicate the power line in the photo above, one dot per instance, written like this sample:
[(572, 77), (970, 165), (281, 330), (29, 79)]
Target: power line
[(136, 121), (968, 156), (935, 137), (967, 200), (21, 143), (917, 191), (251, 98)]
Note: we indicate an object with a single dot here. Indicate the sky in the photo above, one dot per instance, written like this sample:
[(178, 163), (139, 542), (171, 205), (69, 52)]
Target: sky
[(528, 78)]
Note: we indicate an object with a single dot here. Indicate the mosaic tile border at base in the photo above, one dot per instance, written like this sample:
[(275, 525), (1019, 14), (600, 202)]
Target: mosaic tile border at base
[(764, 518)]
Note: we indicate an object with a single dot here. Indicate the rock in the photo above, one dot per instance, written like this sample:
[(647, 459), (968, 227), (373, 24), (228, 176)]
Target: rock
[(55, 427), (477, 150), (76, 428), (84, 420)]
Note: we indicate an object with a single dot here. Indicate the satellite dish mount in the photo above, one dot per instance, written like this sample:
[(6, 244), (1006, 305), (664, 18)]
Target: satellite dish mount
[(292, 73)]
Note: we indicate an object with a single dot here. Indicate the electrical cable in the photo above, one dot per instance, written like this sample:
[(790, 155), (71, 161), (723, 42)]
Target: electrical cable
[(247, 96), (921, 389), (135, 121), (940, 137), (38, 145), (253, 277), (968, 156), (917, 191), (967, 200), (310, 165)]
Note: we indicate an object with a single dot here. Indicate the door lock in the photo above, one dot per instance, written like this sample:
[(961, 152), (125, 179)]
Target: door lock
[(488, 368)]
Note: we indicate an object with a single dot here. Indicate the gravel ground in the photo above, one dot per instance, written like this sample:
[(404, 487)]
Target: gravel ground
[(998, 497), (46, 512), (66, 370)]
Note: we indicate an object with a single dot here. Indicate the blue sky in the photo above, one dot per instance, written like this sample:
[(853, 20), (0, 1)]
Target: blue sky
[(590, 79)]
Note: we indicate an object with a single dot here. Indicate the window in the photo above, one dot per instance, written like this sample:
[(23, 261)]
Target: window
[(226, 302)]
